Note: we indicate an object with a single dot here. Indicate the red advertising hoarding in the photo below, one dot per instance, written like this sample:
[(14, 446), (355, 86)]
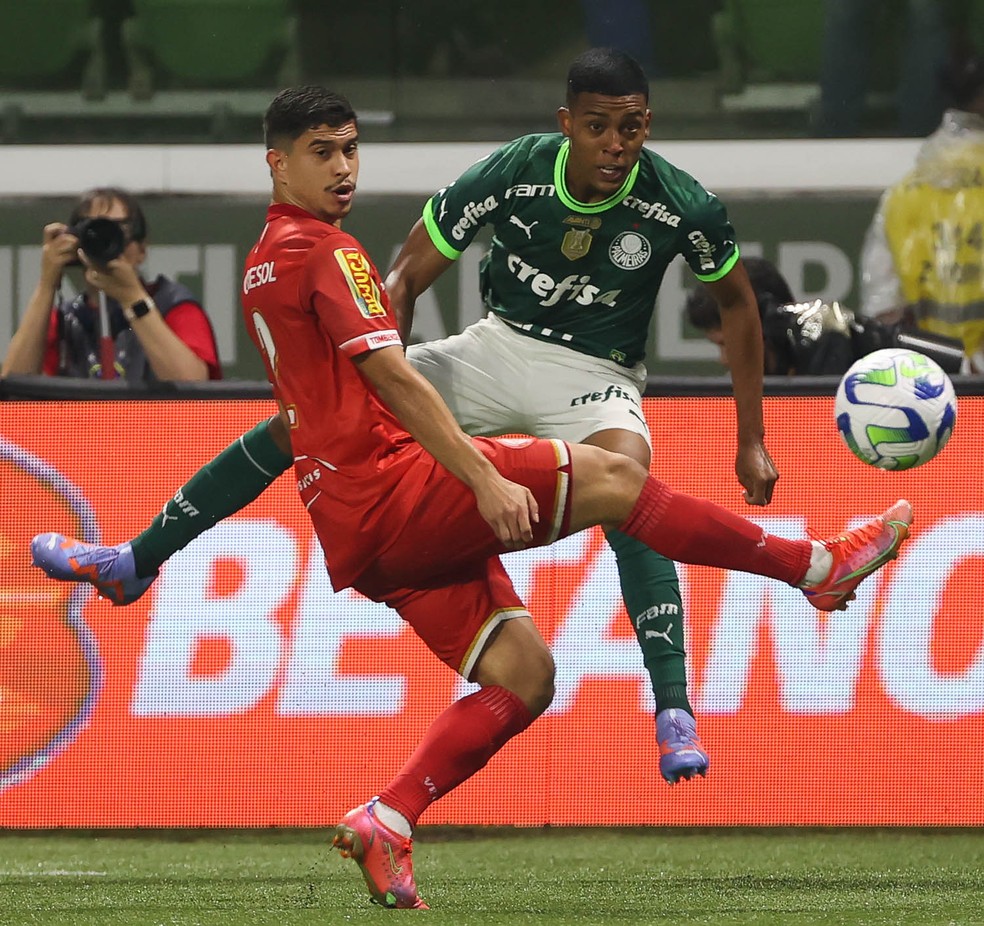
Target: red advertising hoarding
[(242, 691)]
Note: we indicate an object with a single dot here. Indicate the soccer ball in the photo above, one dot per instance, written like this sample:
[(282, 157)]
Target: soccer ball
[(895, 408)]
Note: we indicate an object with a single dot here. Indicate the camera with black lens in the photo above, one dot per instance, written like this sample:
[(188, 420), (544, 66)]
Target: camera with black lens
[(100, 239)]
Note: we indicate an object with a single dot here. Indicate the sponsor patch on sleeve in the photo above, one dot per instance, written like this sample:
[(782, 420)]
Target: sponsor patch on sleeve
[(371, 341), (365, 292)]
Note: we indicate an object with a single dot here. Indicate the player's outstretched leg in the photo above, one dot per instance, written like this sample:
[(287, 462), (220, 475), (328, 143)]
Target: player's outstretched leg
[(651, 591), (109, 569), (383, 855), (611, 488), (222, 487)]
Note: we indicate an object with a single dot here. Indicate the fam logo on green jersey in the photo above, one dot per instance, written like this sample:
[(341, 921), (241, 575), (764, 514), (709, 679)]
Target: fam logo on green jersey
[(630, 251), (530, 189)]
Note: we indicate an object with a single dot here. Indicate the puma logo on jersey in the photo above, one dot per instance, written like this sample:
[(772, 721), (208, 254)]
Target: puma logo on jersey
[(516, 220), (661, 634)]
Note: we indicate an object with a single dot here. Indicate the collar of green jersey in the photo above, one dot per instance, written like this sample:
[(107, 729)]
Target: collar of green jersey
[(560, 184)]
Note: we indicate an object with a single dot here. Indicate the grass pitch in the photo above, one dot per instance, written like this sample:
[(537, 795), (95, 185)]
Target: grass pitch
[(478, 877)]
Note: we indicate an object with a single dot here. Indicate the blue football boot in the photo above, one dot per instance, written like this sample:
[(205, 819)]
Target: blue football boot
[(681, 755), (109, 569)]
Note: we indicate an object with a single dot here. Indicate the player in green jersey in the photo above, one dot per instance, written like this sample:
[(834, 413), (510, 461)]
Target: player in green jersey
[(585, 222)]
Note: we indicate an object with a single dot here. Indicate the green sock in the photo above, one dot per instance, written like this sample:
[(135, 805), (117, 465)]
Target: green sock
[(220, 488), (651, 591)]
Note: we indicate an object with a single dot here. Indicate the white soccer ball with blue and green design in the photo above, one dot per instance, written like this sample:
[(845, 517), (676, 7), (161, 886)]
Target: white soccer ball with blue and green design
[(895, 408)]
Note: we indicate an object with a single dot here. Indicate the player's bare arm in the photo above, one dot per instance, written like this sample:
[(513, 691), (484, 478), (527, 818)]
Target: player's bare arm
[(509, 508), (169, 357), (26, 351), (741, 329), (416, 267)]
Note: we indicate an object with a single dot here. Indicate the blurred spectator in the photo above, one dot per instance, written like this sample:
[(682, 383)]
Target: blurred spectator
[(923, 255), (810, 338), (159, 330), (853, 29)]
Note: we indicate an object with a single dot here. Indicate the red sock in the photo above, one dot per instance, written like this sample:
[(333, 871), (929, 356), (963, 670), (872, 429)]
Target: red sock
[(457, 744), (691, 530)]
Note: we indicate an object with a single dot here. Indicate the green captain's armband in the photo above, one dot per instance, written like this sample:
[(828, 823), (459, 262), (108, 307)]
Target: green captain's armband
[(724, 271), (436, 237)]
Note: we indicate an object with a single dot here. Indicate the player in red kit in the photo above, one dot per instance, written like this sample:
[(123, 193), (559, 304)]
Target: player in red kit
[(412, 512)]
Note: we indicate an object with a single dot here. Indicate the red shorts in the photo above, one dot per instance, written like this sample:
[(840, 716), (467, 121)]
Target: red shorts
[(458, 619), (442, 572)]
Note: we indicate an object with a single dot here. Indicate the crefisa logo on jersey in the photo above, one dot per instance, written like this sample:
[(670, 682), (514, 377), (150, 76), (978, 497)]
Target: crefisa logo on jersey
[(703, 249), (630, 251), (658, 211), (471, 216)]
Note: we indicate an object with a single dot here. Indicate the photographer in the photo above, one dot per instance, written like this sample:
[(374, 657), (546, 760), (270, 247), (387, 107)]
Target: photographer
[(157, 330), (814, 338)]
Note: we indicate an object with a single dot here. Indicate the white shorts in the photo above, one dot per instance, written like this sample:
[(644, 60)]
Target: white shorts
[(496, 380)]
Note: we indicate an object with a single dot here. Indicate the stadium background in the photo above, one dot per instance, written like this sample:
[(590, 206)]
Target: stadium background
[(220, 700)]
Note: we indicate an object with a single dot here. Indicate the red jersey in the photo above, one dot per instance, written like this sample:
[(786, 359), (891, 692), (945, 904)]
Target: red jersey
[(312, 302)]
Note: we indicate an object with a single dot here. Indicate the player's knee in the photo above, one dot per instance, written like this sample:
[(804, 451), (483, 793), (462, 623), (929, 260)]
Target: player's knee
[(539, 685), (622, 479), (517, 658), (624, 470)]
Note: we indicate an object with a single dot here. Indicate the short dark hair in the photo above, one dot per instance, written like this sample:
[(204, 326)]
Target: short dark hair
[(607, 71), (297, 109), (135, 219), (768, 284)]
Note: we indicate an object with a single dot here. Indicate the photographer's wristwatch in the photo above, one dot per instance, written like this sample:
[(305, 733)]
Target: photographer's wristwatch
[(139, 309)]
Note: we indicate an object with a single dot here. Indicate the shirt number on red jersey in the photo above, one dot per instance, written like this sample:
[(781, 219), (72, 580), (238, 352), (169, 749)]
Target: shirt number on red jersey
[(265, 337)]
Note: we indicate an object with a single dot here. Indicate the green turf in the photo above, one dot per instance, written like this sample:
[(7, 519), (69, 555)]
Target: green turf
[(473, 878)]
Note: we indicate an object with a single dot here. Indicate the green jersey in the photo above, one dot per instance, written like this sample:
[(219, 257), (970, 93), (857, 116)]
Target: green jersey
[(584, 275)]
